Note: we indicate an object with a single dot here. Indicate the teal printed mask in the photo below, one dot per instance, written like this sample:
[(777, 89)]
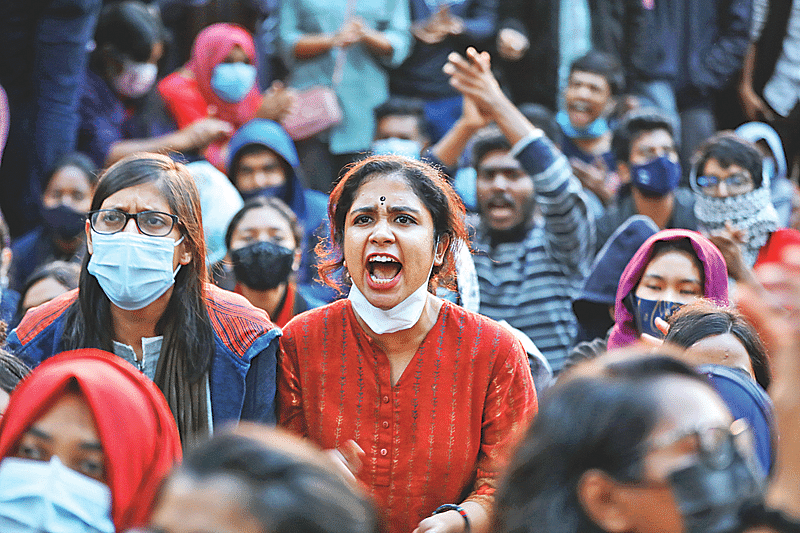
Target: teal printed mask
[(592, 131)]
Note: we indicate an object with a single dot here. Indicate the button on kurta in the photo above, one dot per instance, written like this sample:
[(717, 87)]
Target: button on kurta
[(385, 423), (385, 399), (384, 451)]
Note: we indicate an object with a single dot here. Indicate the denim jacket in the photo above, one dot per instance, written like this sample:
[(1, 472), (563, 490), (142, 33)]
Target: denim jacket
[(242, 374)]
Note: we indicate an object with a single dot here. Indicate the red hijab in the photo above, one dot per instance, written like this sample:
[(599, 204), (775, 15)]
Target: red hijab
[(138, 434), (210, 47)]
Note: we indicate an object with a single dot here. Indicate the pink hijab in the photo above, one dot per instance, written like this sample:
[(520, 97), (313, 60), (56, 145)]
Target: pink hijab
[(715, 288), (209, 49)]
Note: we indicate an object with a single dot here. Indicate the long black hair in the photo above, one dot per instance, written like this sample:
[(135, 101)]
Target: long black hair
[(701, 319), (185, 324)]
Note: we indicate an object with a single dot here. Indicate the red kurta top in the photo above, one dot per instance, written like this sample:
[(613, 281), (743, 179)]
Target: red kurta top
[(440, 435)]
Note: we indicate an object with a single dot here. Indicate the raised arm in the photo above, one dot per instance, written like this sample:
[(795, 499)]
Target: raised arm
[(452, 144), (569, 229), (472, 76), (776, 314)]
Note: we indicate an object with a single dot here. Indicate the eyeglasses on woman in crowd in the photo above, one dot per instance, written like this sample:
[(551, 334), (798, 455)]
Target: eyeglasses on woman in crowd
[(152, 223)]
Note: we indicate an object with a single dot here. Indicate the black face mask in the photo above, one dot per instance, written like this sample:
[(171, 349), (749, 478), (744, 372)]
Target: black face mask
[(278, 191), (711, 497), (64, 221), (262, 265)]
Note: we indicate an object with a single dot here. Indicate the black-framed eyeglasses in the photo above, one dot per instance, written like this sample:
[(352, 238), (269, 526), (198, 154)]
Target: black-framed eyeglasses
[(716, 444), (152, 223)]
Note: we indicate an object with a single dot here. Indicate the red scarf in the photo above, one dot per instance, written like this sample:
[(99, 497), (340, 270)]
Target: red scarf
[(138, 434), (209, 49)]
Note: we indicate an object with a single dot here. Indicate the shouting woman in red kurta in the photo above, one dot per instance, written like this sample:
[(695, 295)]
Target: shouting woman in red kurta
[(419, 398)]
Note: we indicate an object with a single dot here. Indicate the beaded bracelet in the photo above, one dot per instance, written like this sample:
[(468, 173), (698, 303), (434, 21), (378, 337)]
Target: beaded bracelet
[(459, 509)]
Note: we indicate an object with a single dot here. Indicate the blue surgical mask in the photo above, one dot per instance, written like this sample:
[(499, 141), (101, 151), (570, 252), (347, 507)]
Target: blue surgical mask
[(48, 497), (278, 191), (232, 81), (657, 177), (397, 146), (592, 131), (133, 270), (646, 312)]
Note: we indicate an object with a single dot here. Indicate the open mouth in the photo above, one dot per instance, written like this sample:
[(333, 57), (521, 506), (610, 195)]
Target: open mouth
[(383, 269), (500, 207), (580, 107), (500, 202), (579, 112)]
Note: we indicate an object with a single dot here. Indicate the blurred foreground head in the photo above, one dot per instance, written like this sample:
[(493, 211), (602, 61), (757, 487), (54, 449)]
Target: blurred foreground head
[(260, 480)]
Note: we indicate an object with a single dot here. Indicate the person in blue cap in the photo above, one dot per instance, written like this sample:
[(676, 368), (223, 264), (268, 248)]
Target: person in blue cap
[(262, 161)]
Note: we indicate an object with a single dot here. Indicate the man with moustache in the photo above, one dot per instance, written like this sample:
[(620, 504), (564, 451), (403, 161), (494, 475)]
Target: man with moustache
[(534, 242)]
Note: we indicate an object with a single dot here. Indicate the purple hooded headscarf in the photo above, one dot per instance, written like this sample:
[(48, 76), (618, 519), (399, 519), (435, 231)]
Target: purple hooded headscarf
[(715, 288)]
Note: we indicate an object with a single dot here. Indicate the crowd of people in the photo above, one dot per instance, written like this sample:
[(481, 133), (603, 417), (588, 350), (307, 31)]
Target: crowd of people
[(399, 266)]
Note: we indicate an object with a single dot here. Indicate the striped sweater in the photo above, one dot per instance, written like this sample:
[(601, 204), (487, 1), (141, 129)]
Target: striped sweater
[(531, 283)]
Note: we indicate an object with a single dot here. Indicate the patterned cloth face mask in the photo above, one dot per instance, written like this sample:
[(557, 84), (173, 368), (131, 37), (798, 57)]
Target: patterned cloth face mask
[(136, 79)]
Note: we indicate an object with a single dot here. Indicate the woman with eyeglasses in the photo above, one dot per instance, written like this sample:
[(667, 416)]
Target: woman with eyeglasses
[(639, 446), (733, 203), (143, 295)]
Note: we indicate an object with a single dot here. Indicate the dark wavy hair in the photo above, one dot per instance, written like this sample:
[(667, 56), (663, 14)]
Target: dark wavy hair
[(284, 491), (128, 28), (603, 64), (273, 203), (635, 124), (63, 272), (729, 149), (429, 185), (591, 422), (185, 324), (12, 371), (698, 320)]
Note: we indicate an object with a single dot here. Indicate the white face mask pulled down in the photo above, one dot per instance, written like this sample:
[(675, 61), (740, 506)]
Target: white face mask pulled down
[(402, 316)]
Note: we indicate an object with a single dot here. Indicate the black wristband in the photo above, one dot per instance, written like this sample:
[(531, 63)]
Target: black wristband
[(460, 510)]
